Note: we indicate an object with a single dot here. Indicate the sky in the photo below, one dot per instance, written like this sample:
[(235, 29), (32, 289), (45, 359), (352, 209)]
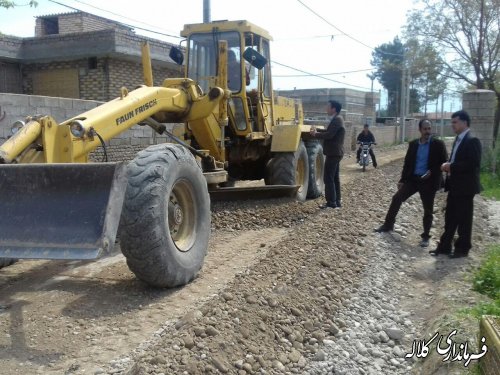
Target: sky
[(313, 36)]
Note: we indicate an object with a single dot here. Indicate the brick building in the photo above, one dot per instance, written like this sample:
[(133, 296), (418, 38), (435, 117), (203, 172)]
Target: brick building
[(79, 55), (358, 107)]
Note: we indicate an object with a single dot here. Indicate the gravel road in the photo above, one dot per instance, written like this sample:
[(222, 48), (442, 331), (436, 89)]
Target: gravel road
[(286, 289)]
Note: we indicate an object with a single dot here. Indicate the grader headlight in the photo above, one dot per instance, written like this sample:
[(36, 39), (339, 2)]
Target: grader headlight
[(77, 129), (16, 126)]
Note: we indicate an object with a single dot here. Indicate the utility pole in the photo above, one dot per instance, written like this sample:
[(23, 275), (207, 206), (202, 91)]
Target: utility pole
[(402, 109), (372, 101), (206, 11), (408, 75), (379, 102), (442, 114)]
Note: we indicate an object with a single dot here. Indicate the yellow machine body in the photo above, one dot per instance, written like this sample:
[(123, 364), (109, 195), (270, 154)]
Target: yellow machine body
[(231, 116)]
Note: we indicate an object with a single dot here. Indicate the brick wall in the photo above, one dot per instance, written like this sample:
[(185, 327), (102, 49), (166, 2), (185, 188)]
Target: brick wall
[(357, 106), (480, 105), (102, 82), (10, 78), (76, 22)]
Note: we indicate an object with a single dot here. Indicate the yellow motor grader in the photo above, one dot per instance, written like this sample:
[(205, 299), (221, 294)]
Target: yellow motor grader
[(54, 204)]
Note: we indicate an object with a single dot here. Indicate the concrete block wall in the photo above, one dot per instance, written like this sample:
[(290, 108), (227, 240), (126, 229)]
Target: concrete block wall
[(123, 147), (480, 105), (384, 135)]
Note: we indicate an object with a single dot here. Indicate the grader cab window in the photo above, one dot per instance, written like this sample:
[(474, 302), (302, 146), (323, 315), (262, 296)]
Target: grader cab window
[(202, 56), (257, 56)]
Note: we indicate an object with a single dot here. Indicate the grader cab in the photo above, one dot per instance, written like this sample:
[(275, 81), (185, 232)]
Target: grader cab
[(57, 205)]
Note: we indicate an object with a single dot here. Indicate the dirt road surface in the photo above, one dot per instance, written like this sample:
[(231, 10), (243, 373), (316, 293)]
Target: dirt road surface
[(266, 300)]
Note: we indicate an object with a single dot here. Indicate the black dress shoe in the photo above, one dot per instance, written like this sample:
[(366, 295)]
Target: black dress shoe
[(457, 255), (437, 252), (323, 206), (383, 228)]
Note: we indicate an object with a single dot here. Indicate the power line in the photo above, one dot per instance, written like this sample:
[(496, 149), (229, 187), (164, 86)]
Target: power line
[(174, 36), (332, 25), (331, 36), (118, 15), (343, 32), (122, 23), (324, 74), (319, 76)]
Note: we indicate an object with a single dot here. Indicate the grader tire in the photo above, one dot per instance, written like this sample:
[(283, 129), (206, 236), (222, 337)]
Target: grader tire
[(290, 168), (165, 223), (316, 169), (5, 262)]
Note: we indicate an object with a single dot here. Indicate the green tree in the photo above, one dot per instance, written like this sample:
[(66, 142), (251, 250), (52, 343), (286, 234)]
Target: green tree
[(12, 4), (388, 60), (426, 69), (466, 33), (423, 65)]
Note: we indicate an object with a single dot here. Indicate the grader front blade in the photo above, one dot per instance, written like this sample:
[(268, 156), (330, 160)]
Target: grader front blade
[(60, 211)]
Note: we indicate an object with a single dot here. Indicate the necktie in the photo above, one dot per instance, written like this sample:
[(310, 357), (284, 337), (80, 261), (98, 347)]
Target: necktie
[(452, 156)]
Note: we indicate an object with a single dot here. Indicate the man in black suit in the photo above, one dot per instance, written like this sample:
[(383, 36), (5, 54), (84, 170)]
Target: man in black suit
[(422, 174), (333, 148), (462, 183)]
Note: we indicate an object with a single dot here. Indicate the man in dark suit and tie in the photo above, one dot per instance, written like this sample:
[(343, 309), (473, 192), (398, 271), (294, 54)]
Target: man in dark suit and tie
[(462, 183), (333, 149), (421, 173)]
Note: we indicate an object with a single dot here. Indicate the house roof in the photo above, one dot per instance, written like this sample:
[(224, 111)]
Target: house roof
[(86, 13)]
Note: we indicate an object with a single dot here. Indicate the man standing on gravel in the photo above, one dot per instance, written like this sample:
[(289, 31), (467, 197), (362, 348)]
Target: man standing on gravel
[(462, 183), (333, 148), (422, 174)]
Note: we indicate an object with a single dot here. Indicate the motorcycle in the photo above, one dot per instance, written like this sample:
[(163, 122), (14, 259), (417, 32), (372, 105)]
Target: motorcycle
[(364, 157)]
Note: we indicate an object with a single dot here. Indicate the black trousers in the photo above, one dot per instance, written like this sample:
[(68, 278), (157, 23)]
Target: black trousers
[(332, 180), (372, 154), (458, 217), (427, 194)]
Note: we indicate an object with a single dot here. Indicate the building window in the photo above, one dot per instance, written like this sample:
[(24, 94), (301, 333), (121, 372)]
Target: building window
[(92, 63), (50, 25)]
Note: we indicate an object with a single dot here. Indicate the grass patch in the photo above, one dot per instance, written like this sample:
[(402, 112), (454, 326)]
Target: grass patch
[(491, 185), (486, 280), (484, 308), (490, 173)]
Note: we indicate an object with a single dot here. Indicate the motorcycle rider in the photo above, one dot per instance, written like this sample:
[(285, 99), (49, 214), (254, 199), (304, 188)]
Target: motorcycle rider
[(366, 136)]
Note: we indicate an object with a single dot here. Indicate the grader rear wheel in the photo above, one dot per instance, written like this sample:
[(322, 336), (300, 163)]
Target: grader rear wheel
[(290, 168), (165, 224)]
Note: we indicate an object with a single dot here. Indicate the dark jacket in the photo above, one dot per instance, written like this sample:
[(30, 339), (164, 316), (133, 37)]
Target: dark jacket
[(437, 156), (465, 169), (366, 138), (333, 137)]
